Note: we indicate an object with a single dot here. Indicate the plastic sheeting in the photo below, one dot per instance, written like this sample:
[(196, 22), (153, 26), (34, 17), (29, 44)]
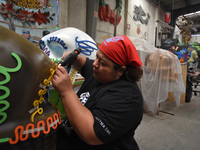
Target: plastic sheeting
[(162, 74)]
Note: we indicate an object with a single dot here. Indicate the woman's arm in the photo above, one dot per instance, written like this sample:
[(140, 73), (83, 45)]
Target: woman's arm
[(78, 115)]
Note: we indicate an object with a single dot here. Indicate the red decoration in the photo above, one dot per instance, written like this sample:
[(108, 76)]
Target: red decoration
[(7, 10), (26, 16), (167, 17), (101, 12), (106, 14), (41, 17), (138, 30)]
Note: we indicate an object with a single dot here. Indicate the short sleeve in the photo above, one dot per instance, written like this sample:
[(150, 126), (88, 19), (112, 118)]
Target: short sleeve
[(87, 69)]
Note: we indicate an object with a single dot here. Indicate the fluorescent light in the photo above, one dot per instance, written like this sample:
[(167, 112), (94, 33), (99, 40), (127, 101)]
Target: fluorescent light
[(189, 14), (196, 35), (197, 12)]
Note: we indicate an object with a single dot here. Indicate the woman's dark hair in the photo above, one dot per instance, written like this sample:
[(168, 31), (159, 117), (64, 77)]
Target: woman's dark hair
[(132, 74)]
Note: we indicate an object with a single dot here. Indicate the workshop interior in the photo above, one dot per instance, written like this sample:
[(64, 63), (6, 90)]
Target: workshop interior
[(35, 34)]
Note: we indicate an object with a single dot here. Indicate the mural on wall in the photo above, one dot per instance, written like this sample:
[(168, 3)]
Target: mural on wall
[(32, 4), (107, 14), (35, 14), (140, 15)]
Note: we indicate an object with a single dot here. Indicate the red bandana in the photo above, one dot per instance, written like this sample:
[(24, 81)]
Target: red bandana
[(121, 50)]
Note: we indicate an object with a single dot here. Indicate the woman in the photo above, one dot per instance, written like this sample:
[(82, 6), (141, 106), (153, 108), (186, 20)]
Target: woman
[(106, 111)]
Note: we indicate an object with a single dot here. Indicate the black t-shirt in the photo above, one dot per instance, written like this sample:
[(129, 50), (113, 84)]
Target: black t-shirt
[(117, 108)]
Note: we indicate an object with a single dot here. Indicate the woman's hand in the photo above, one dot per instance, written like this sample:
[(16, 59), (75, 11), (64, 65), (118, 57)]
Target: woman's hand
[(61, 81)]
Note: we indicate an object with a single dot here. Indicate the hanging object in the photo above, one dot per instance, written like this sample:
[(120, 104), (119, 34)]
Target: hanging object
[(186, 34), (186, 29), (106, 14), (168, 17)]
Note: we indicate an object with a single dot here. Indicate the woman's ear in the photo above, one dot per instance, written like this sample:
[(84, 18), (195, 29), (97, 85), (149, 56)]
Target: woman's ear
[(122, 70)]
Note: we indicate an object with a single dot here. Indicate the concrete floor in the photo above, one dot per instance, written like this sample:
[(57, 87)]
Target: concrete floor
[(178, 131)]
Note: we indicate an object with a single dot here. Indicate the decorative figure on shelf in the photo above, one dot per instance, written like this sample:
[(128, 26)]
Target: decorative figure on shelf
[(26, 34)]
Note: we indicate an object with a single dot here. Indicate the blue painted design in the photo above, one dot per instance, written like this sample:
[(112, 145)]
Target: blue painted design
[(44, 47), (181, 53), (113, 39), (58, 40), (87, 46), (6, 91)]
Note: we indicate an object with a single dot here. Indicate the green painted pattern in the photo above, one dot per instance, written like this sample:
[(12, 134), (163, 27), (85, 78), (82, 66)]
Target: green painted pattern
[(4, 140), (5, 71)]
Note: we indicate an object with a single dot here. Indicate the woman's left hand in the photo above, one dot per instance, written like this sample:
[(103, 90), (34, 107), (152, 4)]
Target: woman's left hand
[(61, 81)]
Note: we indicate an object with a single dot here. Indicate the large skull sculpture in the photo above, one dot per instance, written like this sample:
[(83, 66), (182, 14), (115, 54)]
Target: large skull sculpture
[(26, 118)]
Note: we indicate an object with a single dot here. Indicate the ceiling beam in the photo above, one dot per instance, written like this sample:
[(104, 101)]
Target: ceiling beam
[(160, 4)]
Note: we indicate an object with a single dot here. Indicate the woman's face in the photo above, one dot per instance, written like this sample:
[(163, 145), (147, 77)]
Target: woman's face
[(103, 68)]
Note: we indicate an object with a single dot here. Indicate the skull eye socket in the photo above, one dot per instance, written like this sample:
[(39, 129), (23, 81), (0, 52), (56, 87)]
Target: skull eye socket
[(56, 49)]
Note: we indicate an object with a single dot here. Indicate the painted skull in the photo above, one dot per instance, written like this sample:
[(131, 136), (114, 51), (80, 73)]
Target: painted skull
[(59, 42), (25, 114)]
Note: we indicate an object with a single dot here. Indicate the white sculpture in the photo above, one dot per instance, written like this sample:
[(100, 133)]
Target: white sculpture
[(68, 39)]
